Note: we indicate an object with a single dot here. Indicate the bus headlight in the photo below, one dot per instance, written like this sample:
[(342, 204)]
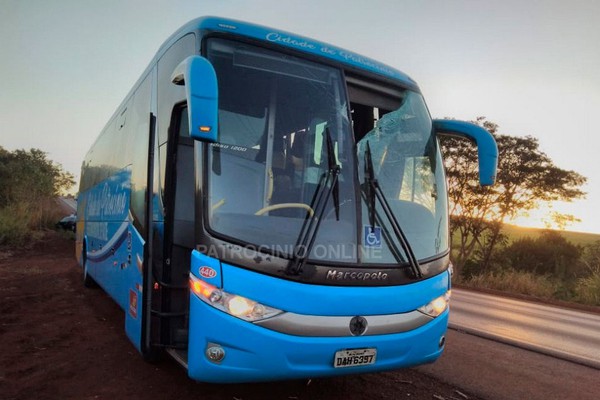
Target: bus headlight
[(436, 306), (238, 306)]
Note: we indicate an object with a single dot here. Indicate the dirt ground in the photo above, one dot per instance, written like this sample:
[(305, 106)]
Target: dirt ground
[(59, 340)]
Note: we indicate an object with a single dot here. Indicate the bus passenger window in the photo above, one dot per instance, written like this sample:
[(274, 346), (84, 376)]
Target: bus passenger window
[(184, 130)]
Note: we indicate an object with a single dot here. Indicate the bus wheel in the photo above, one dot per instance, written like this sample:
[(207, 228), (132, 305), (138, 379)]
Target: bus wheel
[(88, 281)]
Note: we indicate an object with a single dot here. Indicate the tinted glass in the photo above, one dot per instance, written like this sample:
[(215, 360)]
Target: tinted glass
[(274, 114)]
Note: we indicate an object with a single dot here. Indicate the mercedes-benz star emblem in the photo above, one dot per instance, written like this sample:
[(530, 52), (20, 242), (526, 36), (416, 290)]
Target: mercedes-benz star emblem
[(358, 326)]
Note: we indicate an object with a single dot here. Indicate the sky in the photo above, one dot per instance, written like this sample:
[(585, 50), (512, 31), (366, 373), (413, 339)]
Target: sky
[(533, 67)]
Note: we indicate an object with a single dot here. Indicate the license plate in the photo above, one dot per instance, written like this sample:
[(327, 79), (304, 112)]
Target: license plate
[(354, 358)]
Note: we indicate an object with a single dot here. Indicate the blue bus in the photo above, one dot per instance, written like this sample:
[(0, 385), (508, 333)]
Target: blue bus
[(264, 206)]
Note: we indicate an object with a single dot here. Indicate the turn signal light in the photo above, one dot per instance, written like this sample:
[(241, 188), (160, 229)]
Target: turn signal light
[(238, 306)]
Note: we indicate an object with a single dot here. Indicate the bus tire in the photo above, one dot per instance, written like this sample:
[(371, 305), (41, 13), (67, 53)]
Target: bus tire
[(88, 281)]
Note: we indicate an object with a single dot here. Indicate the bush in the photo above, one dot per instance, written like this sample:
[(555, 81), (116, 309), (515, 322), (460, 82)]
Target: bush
[(14, 224), (588, 289), (549, 254)]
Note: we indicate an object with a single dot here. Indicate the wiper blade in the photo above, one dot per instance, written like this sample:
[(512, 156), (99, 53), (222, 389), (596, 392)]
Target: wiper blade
[(373, 191), (328, 185), (369, 187), (333, 167)]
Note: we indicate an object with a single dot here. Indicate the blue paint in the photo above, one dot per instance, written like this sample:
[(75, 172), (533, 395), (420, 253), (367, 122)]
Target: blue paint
[(132, 275), (115, 249), (308, 299), (299, 43), (487, 149), (206, 268), (202, 96), (253, 353)]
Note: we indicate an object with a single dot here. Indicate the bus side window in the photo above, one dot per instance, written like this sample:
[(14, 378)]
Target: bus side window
[(184, 130)]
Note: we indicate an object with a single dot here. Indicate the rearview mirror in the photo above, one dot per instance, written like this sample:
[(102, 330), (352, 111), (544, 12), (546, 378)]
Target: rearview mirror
[(487, 150), (201, 92)]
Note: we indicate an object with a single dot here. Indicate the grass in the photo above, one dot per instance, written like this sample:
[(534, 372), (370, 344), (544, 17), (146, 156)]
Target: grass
[(588, 289), (20, 222), (519, 282), (14, 224), (584, 289), (515, 232)]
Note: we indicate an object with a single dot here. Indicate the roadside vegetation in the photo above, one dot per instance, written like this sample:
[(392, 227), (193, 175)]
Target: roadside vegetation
[(542, 264), (489, 254), (29, 185)]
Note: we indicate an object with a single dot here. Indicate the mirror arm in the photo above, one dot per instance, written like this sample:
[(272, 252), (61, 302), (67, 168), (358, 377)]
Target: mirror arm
[(487, 149)]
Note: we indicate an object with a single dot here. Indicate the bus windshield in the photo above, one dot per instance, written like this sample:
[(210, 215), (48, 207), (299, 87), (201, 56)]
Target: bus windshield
[(407, 164), (276, 115)]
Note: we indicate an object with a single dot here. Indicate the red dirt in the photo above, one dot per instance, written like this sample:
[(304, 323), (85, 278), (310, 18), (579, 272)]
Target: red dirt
[(59, 340)]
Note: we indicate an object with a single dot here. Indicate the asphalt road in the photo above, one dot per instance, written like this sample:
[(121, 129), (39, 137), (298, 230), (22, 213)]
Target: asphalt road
[(493, 370), (567, 334)]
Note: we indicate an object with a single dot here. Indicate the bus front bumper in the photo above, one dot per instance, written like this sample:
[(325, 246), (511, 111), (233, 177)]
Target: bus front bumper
[(254, 353)]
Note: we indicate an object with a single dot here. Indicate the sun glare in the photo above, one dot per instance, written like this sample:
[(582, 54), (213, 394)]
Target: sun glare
[(560, 216)]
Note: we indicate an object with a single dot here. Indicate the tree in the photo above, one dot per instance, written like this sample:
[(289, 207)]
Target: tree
[(526, 179), (559, 220), (28, 183), (30, 175)]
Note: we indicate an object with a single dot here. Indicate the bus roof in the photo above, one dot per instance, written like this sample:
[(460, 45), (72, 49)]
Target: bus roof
[(279, 37), (295, 42)]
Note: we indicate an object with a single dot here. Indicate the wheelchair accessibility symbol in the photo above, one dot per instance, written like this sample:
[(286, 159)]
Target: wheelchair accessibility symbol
[(372, 237)]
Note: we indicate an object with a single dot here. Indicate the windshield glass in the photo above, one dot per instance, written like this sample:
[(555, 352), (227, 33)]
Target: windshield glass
[(274, 114), (407, 164)]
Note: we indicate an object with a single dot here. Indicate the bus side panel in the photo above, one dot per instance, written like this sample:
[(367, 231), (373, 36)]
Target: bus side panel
[(107, 232), (115, 249), (132, 276)]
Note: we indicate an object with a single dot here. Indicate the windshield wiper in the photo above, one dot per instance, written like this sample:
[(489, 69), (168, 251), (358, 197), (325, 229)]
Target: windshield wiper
[(328, 185), (373, 191)]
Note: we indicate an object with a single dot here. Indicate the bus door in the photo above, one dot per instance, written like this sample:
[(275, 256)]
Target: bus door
[(179, 198), (172, 248)]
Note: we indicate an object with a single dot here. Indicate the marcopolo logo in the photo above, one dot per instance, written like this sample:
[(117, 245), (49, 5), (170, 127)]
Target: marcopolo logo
[(335, 275)]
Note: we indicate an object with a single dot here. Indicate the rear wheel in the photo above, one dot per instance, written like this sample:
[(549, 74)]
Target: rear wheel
[(88, 281)]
